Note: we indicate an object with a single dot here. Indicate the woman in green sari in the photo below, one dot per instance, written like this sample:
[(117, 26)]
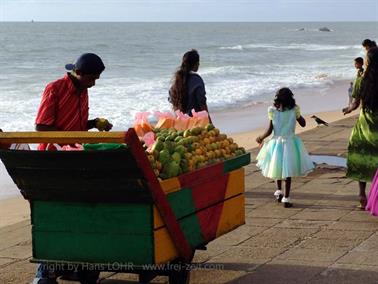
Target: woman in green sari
[(362, 161)]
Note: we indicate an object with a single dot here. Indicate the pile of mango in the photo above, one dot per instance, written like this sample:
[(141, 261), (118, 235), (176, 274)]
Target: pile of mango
[(175, 152)]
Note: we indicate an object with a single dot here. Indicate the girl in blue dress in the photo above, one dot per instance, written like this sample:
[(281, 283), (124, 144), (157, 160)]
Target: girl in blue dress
[(284, 155)]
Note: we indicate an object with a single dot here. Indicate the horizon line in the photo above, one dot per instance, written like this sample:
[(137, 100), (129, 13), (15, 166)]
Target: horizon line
[(337, 21)]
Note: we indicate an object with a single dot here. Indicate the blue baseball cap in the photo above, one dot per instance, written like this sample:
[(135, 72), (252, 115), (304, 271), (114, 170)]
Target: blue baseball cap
[(87, 63)]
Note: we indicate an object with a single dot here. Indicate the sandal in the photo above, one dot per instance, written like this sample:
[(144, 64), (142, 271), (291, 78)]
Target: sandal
[(278, 195), (286, 202)]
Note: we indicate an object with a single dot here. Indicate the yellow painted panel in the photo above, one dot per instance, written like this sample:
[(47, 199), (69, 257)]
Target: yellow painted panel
[(235, 184), (158, 221), (63, 137), (164, 249), (233, 215), (170, 185)]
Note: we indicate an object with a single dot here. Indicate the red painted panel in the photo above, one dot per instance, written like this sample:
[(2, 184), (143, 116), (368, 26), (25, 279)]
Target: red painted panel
[(206, 194), (209, 220), (209, 192), (197, 176)]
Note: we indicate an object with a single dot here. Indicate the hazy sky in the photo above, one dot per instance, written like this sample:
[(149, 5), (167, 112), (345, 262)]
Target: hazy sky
[(189, 10)]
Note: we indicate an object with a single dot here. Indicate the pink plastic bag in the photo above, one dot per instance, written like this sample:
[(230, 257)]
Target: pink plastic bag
[(182, 120), (149, 140), (141, 123), (200, 118), (76, 147), (165, 119)]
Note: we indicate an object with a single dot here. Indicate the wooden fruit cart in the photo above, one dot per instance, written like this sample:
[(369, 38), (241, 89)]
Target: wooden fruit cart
[(108, 209)]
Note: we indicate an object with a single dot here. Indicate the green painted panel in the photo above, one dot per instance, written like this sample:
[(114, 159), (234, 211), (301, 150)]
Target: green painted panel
[(237, 162), (192, 230), (92, 247), (181, 202), (125, 218)]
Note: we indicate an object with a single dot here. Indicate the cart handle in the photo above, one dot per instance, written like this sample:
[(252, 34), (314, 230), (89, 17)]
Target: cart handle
[(62, 137), (159, 197)]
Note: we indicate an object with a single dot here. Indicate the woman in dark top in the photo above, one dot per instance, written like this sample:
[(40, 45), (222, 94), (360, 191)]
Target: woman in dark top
[(188, 89)]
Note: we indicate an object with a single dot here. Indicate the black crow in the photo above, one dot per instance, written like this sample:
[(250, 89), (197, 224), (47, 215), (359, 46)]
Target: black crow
[(319, 121)]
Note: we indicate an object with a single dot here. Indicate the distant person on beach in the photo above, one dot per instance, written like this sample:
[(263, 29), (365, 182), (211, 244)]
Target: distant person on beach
[(64, 107), (359, 65), (350, 91), (64, 104), (284, 155), (367, 44), (362, 160), (188, 89)]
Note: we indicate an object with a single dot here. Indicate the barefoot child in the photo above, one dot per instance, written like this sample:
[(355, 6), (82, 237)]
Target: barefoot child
[(284, 155)]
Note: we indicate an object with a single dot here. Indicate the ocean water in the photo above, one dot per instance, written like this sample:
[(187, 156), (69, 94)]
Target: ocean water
[(241, 63)]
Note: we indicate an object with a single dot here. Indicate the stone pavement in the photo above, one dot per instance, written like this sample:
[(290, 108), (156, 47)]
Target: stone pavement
[(322, 239)]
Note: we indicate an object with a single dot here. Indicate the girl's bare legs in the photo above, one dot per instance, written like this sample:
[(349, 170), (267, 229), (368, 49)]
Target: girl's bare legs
[(286, 199), (279, 184), (363, 199), (287, 186)]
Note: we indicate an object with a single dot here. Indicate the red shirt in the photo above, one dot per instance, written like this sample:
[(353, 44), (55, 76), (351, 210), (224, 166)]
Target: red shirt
[(63, 107)]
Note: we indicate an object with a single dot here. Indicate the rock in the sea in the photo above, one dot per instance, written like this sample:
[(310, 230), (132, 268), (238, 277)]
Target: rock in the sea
[(324, 29)]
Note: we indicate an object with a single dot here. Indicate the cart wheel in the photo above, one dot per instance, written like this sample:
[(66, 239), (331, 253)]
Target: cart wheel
[(89, 277), (146, 277), (179, 277)]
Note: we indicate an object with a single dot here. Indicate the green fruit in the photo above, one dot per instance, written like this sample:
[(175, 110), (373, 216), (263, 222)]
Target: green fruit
[(170, 146), (209, 127), (184, 166), (178, 138), (155, 153), (194, 138), (176, 157), (160, 138), (190, 147), (185, 141), (164, 157), (158, 146), (181, 142), (242, 150), (196, 130), (172, 169), (187, 133), (181, 150)]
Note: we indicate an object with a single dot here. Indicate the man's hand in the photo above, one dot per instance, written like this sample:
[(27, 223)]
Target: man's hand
[(4, 146), (102, 124)]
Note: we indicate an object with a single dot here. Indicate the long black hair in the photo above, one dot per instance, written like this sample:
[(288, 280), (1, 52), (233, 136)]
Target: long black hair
[(178, 91), (285, 98), (369, 84)]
